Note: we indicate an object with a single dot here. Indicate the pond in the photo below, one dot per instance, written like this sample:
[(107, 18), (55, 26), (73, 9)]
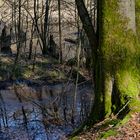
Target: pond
[(43, 112)]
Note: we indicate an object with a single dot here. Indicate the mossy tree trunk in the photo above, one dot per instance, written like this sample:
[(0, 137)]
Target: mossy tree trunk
[(116, 63), (120, 52)]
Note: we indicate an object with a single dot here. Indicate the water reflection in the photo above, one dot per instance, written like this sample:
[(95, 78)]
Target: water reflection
[(42, 112)]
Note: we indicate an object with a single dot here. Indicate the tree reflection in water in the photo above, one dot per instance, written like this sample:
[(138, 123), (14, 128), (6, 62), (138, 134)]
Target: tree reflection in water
[(42, 112)]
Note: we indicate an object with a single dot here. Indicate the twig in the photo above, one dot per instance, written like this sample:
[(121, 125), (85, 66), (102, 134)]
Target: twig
[(123, 108)]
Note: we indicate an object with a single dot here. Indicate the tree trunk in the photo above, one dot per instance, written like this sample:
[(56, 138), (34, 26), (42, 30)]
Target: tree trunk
[(45, 35), (116, 69), (97, 70), (60, 32), (127, 10), (119, 56), (42, 33)]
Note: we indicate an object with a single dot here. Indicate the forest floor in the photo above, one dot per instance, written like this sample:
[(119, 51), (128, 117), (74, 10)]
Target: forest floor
[(29, 69), (39, 69), (107, 130)]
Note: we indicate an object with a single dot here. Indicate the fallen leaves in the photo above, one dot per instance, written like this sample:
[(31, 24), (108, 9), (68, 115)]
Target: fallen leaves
[(129, 131)]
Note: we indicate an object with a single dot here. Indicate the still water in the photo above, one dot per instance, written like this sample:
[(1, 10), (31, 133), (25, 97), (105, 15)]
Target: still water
[(47, 112)]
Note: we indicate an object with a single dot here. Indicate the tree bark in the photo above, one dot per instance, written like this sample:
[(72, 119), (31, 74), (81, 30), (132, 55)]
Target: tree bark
[(96, 60), (116, 68), (127, 10), (60, 32), (88, 27)]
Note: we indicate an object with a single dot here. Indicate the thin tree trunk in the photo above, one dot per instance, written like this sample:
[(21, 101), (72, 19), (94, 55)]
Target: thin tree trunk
[(90, 32), (18, 37), (60, 32), (45, 35)]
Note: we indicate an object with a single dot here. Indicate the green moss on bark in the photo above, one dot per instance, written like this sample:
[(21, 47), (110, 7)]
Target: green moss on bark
[(108, 86), (128, 83), (120, 51)]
